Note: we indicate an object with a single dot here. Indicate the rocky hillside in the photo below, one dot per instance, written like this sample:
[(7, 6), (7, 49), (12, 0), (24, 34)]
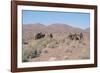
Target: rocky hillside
[(30, 30), (66, 43)]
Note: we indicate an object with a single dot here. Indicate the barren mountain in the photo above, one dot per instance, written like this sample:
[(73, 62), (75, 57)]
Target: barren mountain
[(61, 28), (33, 27), (30, 29)]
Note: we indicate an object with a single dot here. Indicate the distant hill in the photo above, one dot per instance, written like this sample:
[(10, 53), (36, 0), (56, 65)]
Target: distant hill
[(30, 29), (61, 28), (87, 29), (33, 27)]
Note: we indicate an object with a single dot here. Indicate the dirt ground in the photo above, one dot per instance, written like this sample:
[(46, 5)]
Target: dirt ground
[(60, 47)]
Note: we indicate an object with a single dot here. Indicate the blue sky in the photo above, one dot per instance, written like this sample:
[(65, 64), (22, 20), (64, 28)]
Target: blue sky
[(81, 20)]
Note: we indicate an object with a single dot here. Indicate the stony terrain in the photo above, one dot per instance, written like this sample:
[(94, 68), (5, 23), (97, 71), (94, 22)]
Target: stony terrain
[(58, 47)]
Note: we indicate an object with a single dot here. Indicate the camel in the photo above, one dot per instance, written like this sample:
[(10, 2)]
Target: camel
[(75, 36)]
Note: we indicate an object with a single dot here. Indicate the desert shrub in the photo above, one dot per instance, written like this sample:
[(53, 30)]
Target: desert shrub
[(68, 51), (67, 43), (25, 59), (45, 51), (84, 43), (65, 58), (36, 47), (73, 46), (56, 42), (25, 55), (84, 57), (35, 53), (29, 55), (41, 43), (53, 44), (62, 40), (80, 41)]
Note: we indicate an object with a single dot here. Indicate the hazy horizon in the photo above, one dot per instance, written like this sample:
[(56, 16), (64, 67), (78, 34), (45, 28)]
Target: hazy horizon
[(80, 20)]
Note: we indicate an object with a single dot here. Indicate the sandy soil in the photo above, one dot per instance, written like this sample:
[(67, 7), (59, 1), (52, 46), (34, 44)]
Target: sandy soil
[(60, 47)]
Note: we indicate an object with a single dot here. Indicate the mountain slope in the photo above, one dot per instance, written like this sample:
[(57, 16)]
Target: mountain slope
[(30, 29)]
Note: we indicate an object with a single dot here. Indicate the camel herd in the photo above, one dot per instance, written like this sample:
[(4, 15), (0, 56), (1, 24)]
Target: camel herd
[(71, 36), (75, 36), (42, 35)]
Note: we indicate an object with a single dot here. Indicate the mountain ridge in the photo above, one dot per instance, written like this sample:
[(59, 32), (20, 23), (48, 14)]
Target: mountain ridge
[(30, 29)]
